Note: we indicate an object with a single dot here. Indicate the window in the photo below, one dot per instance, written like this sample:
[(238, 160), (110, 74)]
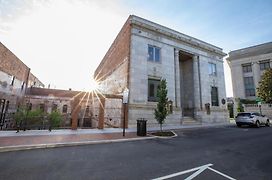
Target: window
[(249, 86), (212, 69), (264, 65), (64, 109), (87, 110), (42, 107), (247, 68), (22, 86), (214, 96), (29, 106), (12, 80), (153, 53), (55, 107), (153, 85)]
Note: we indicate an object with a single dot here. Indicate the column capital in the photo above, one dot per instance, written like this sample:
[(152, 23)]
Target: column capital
[(195, 57), (176, 52)]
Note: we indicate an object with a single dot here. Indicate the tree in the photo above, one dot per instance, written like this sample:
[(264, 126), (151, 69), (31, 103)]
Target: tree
[(54, 119), (240, 107), (161, 110), (20, 117), (264, 91)]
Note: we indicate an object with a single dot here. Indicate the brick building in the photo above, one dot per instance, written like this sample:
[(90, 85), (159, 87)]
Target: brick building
[(144, 52), (15, 77)]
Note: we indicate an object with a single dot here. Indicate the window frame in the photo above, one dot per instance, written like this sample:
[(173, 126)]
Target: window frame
[(263, 64), (42, 107), (247, 68), (249, 86), (155, 51), (212, 69), (66, 108), (214, 97), (156, 83)]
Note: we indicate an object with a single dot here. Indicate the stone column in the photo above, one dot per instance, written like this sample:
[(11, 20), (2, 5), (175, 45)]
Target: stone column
[(256, 73), (177, 79), (196, 83)]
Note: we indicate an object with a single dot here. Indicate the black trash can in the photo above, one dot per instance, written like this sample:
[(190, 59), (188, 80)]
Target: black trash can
[(141, 127)]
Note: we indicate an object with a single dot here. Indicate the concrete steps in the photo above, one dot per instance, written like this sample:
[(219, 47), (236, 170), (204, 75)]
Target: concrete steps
[(189, 121)]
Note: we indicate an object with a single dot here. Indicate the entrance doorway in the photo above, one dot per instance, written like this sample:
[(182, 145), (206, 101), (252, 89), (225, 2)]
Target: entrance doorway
[(186, 83)]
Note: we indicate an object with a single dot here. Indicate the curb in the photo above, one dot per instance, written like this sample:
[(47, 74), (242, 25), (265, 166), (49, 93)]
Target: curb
[(165, 137), (68, 144)]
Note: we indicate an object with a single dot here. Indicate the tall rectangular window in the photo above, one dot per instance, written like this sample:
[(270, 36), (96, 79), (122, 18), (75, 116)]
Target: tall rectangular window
[(264, 65), (153, 53), (214, 96), (212, 69), (64, 108), (55, 107), (12, 80), (249, 86), (153, 85), (246, 68), (42, 107)]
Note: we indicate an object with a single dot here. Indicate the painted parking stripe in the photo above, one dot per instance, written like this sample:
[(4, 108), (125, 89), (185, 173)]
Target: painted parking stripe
[(222, 174), (198, 170), (183, 172)]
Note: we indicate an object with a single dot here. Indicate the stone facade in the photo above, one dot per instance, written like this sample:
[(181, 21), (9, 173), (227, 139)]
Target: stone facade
[(183, 61), (249, 64)]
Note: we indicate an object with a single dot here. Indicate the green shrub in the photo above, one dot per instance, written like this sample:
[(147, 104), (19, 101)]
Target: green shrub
[(55, 119)]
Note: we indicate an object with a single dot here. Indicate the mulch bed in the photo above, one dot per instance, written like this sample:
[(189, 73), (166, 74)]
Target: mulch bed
[(163, 133)]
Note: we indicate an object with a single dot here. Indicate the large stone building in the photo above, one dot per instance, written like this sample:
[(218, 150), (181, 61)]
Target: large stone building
[(15, 77), (247, 65), (145, 52)]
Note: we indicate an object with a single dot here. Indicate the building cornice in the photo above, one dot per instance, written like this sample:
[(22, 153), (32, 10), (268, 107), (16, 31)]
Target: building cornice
[(256, 50), (138, 21)]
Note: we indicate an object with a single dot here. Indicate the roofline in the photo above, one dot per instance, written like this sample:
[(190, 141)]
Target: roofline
[(177, 35), (254, 46)]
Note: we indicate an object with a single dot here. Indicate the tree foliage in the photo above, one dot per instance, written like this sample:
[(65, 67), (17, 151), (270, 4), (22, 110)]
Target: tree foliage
[(55, 119), (161, 110), (264, 91), (20, 115)]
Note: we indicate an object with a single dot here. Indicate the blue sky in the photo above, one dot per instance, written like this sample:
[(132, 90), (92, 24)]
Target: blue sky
[(230, 24), (84, 29)]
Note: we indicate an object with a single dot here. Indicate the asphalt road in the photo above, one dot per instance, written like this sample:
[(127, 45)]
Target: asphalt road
[(240, 153)]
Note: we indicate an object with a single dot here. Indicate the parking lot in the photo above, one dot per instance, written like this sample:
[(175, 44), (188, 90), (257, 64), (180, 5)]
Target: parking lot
[(225, 152)]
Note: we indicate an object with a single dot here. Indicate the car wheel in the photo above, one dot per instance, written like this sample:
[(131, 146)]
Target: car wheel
[(257, 124), (267, 123)]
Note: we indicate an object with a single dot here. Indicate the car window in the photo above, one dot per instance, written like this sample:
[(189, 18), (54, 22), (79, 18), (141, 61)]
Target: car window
[(256, 114), (244, 114)]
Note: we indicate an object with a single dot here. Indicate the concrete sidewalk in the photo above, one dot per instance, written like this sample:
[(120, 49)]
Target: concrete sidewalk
[(33, 139)]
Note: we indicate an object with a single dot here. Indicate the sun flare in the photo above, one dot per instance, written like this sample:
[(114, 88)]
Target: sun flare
[(93, 85)]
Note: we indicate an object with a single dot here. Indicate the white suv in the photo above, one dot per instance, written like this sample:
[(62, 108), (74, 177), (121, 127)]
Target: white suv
[(251, 118)]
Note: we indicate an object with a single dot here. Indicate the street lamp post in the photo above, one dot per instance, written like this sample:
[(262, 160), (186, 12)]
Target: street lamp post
[(125, 101)]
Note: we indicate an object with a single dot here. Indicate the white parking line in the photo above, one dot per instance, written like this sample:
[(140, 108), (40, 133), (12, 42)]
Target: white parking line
[(198, 170), (183, 172), (226, 176)]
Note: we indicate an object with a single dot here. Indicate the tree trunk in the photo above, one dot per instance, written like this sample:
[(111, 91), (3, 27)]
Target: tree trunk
[(161, 127)]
